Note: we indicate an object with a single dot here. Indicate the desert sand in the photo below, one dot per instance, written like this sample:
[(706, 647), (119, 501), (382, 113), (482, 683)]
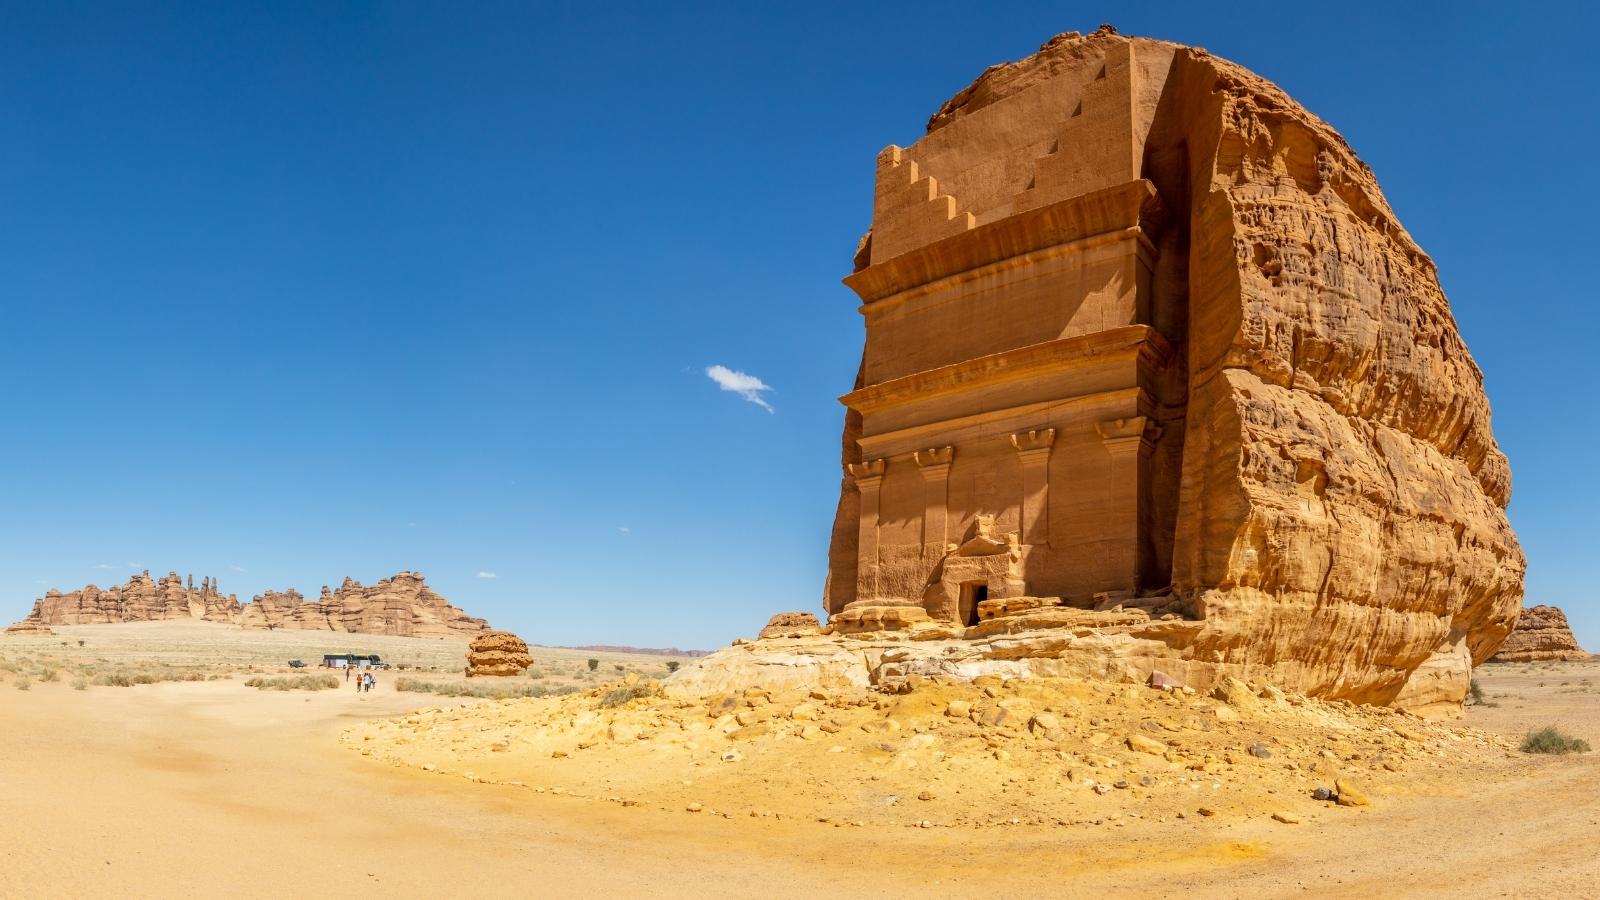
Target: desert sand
[(195, 788)]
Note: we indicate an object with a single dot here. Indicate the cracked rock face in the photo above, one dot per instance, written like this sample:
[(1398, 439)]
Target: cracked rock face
[(1324, 504), (1542, 633)]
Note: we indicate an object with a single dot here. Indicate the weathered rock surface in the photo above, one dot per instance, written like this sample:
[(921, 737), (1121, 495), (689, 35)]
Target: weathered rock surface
[(1306, 486), (29, 627), (1542, 633), (791, 624), (402, 605), (497, 653)]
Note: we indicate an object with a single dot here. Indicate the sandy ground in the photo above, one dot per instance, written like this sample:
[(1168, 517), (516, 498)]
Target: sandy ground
[(191, 789)]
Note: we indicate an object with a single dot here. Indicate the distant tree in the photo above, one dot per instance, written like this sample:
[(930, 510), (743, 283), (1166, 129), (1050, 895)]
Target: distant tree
[(594, 664), (672, 665), (618, 668)]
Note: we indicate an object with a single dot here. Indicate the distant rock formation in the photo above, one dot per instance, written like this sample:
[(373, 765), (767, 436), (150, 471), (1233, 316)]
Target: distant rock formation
[(1541, 633), (403, 605), (142, 599), (497, 653), (648, 651), (26, 627)]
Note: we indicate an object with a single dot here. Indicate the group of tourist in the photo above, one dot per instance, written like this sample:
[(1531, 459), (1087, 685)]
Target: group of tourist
[(364, 680)]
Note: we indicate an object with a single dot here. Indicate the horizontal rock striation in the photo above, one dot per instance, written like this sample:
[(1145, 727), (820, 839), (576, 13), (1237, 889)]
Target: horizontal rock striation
[(1541, 634), (402, 605)]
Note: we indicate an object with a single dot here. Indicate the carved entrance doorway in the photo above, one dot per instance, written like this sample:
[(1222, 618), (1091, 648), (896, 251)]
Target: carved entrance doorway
[(972, 593)]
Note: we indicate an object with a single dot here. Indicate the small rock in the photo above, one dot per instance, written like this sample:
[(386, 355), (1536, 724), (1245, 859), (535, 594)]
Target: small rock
[(1142, 744), (732, 756), (693, 807), (958, 709), (925, 795), (1045, 722), (1102, 789), (1206, 811), (1121, 785), (1286, 818), (805, 712), (1349, 794), (1322, 793), (1260, 751)]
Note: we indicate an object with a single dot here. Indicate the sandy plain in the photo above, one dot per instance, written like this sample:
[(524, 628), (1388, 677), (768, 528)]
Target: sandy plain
[(194, 789)]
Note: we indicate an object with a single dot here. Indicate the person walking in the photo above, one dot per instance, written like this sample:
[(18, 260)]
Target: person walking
[(370, 681), (359, 679), (346, 673)]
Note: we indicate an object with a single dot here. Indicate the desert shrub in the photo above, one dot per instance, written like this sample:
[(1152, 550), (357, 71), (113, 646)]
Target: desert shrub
[(594, 664), (1550, 739), (482, 690), (294, 683), (1475, 692), (47, 674), (535, 674), (113, 679), (620, 695), (80, 643), (23, 683), (672, 665), (80, 683)]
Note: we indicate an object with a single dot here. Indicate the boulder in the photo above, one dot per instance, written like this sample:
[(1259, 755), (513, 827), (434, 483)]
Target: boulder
[(497, 653), (791, 624), (1541, 633)]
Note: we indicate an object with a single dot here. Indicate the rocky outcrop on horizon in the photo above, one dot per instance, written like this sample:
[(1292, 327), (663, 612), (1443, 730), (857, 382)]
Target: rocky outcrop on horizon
[(402, 605), (1541, 634), (497, 653)]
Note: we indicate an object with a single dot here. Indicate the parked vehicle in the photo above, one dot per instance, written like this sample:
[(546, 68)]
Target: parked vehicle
[(297, 664)]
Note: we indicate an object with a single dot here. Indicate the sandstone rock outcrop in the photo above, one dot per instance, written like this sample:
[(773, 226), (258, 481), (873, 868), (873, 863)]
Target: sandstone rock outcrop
[(402, 605), (1144, 334), (497, 653), (1541, 633), (29, 627), (142, 599), (791, 624)]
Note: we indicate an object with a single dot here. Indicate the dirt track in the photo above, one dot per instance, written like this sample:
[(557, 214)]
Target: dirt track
[(193, 789)]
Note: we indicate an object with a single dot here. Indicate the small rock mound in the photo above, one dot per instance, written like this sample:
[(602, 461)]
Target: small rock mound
[(497, 653), (791, 624), (29, 626), (1541, 633)]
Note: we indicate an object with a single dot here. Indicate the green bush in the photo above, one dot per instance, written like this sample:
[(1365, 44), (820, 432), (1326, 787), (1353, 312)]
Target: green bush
[(594, 664), (1549, 739), (672, 665)]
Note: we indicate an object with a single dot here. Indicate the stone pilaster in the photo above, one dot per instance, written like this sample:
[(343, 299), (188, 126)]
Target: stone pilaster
[(1128, 443), (934, 464), (1033, 449), (869, 479)]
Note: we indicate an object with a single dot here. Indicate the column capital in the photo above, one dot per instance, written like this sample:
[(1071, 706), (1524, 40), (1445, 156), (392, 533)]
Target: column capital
[(1133, 433), (934, 461), (867, 473), (1034, 439)]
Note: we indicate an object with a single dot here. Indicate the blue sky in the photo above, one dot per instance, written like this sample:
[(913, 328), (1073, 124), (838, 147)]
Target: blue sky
[(295, 292)]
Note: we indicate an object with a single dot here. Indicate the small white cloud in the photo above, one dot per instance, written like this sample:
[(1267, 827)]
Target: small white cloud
[(487, 575), (237, 568), (624, 529), (40, 581), (747, 386), (104, 566), (135, 565)]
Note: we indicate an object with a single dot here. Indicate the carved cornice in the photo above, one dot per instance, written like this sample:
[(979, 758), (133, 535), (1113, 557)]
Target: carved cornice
[(1111, 210), (1127, 341), (934, 456)]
